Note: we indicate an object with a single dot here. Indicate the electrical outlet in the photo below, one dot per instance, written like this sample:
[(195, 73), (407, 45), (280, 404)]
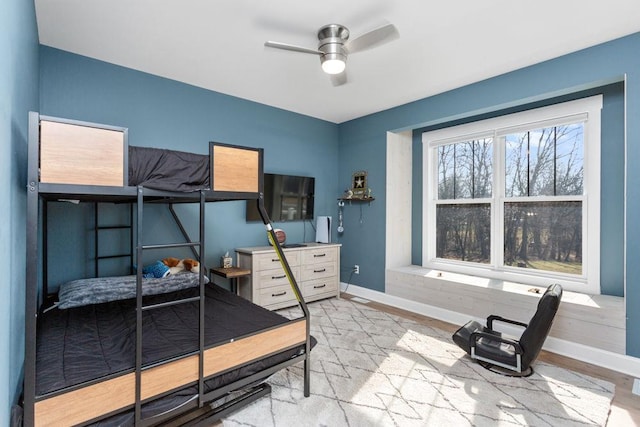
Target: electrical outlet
[(356, 269), (636, 387)]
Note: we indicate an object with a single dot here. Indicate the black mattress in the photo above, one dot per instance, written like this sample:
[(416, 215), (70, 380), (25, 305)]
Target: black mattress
[(169, 170), (84, 343)]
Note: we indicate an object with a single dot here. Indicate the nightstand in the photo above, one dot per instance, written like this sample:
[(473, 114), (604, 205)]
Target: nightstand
[(232, 274)]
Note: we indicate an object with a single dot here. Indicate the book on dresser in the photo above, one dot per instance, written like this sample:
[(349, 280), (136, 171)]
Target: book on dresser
[(315, 266)]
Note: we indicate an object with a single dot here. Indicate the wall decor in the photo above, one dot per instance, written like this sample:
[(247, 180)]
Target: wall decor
[(359, 185)]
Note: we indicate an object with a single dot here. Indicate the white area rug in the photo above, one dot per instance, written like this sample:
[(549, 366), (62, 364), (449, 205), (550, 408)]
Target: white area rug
[(374, 369)]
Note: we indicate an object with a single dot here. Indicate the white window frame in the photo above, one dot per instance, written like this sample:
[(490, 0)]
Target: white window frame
[(587, 110)]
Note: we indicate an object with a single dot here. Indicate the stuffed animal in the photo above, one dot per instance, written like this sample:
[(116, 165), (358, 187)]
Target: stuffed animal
[(156, 270), (170, 262), (177, 265), (191, 265)]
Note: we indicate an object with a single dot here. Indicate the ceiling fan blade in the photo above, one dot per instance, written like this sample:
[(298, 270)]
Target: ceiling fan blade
[(294, 48), (373, 38), (339, 79)]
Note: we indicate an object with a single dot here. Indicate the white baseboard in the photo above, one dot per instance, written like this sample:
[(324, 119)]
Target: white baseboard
[(606, 359)]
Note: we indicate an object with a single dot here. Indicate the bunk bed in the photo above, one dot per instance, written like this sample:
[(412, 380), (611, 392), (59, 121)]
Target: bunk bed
[(171, 354)]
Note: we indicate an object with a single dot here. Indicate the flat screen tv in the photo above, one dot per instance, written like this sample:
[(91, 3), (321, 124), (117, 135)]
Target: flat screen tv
[(286, 198)]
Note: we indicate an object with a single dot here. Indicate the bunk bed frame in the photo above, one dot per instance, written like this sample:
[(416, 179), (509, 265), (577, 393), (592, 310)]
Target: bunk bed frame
[(83, 161)]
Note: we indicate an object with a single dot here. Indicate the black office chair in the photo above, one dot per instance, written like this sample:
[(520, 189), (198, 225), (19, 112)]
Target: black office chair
[(507, 356)]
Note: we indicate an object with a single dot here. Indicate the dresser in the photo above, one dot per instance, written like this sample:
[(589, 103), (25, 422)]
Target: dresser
[(316, 268)]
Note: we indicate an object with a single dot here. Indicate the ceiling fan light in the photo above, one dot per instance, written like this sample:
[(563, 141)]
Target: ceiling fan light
[(333, 66), (333, 62)]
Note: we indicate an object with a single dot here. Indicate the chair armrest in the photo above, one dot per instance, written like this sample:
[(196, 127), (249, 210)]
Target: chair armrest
[(491, 318), (474, 337)]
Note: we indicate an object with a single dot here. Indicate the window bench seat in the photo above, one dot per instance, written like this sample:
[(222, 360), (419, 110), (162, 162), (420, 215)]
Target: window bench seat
[(591, 320)]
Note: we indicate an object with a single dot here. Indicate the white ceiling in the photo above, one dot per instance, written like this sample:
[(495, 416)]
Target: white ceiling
[(219, 44)]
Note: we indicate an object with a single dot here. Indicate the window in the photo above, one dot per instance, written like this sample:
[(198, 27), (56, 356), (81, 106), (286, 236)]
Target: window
[(517, 197)]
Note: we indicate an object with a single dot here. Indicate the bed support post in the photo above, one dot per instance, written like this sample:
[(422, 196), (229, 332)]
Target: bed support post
[(294, 286), (201, 324), (32, 253), (139, 266)]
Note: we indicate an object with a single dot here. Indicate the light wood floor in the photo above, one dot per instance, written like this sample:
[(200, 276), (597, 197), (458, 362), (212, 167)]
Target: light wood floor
[(625, 408)]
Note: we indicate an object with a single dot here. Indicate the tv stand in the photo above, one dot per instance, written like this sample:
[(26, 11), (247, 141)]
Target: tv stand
[(315, 266)]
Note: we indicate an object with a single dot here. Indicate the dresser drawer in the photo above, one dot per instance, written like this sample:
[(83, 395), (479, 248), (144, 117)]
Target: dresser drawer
[(319, 255), (318, 270), (315, 288), (275, 277), (271, 260), (281, 295)]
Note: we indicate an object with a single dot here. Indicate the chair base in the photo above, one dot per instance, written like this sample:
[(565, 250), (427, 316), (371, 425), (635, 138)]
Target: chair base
[(504, 371)]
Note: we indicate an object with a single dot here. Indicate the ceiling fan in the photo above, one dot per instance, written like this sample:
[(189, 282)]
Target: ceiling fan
[(334, 46)]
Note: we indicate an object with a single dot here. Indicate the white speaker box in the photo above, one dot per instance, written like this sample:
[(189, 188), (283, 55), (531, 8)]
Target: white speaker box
[(323, 229)]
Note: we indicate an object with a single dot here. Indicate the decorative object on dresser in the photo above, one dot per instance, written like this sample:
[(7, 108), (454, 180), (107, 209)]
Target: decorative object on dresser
[(323, 229), (280, 235), (316, 267)]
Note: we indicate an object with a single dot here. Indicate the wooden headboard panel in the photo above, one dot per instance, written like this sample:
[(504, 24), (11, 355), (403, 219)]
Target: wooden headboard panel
[(235, 169), (82, 153)]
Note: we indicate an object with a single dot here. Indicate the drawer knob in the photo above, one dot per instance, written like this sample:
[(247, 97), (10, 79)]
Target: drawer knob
[(322, 270), (319, 286), (319, 255), (275, 260), (279, 294), (278, 277)]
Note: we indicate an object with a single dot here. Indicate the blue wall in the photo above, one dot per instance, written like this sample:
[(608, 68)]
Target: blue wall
[(18, 95), (167, 114), (363, 146)]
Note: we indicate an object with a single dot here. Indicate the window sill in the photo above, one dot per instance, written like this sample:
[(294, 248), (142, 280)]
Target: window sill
[(517, 276), (570, 297)]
